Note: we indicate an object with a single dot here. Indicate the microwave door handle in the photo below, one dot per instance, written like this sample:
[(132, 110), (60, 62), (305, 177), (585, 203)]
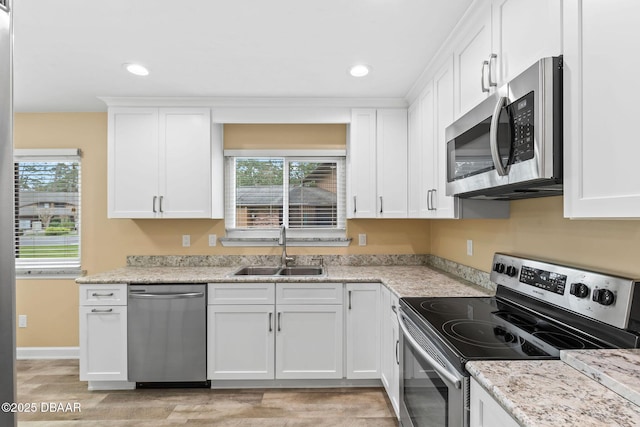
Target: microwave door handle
[(493, 137), (440, 370)]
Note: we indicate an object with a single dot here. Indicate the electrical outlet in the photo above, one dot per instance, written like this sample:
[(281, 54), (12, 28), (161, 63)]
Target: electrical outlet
[(22, 320), (186, 240), (470, 247), (362, 239), (213, 240)]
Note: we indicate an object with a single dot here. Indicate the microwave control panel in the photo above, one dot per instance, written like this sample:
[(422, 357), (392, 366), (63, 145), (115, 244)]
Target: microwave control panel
[(522, 119)]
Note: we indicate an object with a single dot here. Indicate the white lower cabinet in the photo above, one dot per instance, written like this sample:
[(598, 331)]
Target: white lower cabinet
[(281, 331), (309, 341), (390, 348), (362, 310), (103, 333), (486, 411), (240, 342)]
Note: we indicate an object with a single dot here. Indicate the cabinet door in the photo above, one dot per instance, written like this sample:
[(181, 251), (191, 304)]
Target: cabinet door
[(386, 366), (600, 111), (443, 206), (185, 158), (416, 168), (103, 343), (309, 341), (485, 411), (518, 38), (470, 53), (361, 200), (240, 342), (363, 330), (391, 155), (133, 163)]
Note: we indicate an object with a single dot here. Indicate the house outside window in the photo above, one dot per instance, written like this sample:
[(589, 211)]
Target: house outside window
[(47, 212), (306, 194)]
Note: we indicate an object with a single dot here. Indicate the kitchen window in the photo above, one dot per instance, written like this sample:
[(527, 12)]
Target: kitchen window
[(47, 212), (304, 193)]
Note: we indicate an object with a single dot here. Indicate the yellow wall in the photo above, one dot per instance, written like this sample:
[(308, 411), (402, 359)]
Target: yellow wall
[(537, 228), (52, 305)]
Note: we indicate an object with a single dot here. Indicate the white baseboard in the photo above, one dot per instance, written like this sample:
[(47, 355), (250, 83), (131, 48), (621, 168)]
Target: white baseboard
[(27, 353)]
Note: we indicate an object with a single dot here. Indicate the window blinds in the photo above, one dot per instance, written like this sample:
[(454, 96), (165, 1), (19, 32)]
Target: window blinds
[(47, 209)]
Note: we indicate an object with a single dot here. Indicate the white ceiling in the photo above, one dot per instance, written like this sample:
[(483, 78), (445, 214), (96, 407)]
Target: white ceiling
[(69, 52)]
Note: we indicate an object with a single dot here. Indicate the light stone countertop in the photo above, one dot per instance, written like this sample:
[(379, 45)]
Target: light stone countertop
[(550, 393), (404, 280), (618, 370)]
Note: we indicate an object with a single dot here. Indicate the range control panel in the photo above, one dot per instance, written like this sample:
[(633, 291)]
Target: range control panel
[(599, 296)]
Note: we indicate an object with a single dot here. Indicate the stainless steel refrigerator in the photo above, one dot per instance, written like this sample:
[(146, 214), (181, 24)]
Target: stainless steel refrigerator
[(7, 254)]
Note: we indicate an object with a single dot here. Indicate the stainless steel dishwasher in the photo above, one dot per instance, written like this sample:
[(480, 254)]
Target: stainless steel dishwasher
[(167, 335)]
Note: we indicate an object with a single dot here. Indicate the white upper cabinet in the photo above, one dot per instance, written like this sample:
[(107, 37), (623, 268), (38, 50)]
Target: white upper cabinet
[(523, 32), (474, 61), (377, 164), (160, 163), (500, 39), (441, 205), (600, 109)]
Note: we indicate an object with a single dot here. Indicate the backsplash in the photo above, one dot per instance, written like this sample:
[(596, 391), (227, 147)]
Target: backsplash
[(237, 260)]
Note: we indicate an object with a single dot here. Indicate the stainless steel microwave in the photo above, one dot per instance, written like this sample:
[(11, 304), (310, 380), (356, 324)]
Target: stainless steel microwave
[(510, 145)]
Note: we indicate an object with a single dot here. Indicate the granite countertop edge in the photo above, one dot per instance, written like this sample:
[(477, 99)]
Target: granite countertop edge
[(405, 280)]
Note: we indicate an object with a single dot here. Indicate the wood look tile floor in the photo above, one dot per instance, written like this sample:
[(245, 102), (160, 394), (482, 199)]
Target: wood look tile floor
[(47, 382)]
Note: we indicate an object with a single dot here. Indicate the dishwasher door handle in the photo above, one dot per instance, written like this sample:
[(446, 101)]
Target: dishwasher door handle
[(167, 295)]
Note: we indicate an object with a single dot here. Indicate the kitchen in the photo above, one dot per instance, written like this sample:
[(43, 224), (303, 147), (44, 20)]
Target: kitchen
[(537, 227)]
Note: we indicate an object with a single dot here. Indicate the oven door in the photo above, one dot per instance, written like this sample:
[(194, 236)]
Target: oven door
[(432, 392)]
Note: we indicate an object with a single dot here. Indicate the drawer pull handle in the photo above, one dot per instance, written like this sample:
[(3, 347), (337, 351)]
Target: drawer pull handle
[(95, 294), (97, 310)]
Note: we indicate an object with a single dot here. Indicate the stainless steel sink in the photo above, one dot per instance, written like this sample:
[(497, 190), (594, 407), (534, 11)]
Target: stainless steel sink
[(302, 270), (296, 270), (255, 270)]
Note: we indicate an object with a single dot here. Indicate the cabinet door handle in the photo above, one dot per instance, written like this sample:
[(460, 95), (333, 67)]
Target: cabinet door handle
[(354, 205), (154, 204), (484, 88), (95, 294), (349, 295), (279, 329), (433, 205), (380, 204), (492, 57), (397, 352), (270, 322), (428, 200), (161, 197), (107, 310)]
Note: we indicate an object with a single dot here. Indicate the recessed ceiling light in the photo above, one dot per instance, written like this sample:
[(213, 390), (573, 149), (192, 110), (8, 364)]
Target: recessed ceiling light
[(137, 69), (359, 70)]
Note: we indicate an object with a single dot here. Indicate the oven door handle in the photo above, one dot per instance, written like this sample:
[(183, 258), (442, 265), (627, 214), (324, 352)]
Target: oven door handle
[(493, 137), (440, 370)]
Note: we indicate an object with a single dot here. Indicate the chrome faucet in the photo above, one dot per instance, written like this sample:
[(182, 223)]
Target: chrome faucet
[(283, 242)]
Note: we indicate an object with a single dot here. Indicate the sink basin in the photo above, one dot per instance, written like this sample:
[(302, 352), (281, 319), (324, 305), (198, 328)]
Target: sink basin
[(296, 270), (257, 271), (302, 270)]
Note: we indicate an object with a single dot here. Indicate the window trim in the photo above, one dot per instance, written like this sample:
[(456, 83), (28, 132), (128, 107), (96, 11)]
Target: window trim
[(58, 268), (295, 237)]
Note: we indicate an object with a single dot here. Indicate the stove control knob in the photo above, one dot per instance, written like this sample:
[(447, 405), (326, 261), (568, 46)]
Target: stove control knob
[(579, 289), (511, 271), (603, 296), (498, 267)]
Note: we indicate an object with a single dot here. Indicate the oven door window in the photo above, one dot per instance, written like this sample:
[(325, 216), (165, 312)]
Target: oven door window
[(429, 400)]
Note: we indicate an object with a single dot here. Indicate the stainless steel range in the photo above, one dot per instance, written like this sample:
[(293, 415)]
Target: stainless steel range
[(539, 309)]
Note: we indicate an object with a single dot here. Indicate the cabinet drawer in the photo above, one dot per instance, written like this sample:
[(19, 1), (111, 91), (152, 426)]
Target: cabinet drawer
[(241, 293), (309, 293), (103, 294)]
